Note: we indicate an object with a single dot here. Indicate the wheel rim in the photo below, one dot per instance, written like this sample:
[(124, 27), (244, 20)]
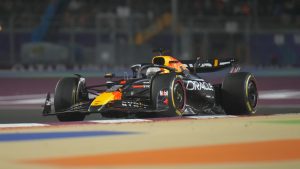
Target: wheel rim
[(252, 94), (82, 94), (179, 95)]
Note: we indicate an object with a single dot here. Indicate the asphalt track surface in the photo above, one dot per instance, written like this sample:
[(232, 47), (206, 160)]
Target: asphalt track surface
[(35, 115), (18, 113)]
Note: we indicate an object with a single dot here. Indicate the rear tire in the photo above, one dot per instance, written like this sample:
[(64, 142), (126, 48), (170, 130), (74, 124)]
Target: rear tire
[(176, 94), (239, 94), (65, 96)]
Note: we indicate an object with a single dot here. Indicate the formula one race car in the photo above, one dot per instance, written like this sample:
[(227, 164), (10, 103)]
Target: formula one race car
[(165, 87)]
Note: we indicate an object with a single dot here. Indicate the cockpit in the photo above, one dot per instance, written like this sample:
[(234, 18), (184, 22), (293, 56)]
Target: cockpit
[(162, 64), (169, 61)]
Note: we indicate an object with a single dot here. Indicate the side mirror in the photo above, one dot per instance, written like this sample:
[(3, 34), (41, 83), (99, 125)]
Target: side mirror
[(109, 75)]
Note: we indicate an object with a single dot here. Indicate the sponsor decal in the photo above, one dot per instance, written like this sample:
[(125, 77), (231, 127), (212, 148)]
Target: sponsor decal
[(200, 65), (133, 104), (198, 85), (140, 86), (225, 63), (163, 93), (216, 63), (146, 86)]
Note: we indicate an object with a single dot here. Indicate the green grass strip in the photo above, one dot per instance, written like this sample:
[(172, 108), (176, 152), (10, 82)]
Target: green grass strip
[(290, 121)]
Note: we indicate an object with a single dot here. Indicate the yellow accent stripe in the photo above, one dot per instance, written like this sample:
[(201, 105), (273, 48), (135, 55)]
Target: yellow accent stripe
[(103, 99), (216, 62), (246, 87), (173, 100)]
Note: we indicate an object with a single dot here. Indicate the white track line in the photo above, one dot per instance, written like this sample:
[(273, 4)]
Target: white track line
[(22, 97), (120, 121), (23, 102), (40, 98), (16, 125), (115, 121), (210, 116), (279, 94)]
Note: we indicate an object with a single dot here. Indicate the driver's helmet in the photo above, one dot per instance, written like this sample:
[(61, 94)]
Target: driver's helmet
[(169, 61)]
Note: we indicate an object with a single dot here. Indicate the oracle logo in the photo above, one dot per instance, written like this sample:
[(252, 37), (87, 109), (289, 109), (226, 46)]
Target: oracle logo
[(197, 85)]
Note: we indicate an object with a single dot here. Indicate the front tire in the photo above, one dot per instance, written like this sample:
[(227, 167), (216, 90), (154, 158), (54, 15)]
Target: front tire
[(176, 97), (239, 94), (66, 95)]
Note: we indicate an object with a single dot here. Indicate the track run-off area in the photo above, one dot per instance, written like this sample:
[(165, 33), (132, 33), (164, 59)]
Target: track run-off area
[(271, 141)]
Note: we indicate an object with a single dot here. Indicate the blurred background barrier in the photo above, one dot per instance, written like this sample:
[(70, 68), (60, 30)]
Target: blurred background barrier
[(42, 52), (117, 33)]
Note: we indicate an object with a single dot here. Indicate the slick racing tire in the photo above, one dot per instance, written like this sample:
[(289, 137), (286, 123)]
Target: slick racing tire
[(66, 95), (175, 98), (239, 94)]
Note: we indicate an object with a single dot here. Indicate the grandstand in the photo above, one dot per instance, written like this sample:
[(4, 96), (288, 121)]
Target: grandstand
[(108, 32)]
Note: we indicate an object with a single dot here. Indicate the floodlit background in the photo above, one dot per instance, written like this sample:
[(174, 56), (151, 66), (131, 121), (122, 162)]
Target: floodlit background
[(42, 41), (55, 35)]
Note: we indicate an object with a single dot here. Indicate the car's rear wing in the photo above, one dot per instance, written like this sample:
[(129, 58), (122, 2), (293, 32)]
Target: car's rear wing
[(211, 65)]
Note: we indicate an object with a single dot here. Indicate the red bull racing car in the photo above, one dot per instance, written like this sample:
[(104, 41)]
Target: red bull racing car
[(165, 87)]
